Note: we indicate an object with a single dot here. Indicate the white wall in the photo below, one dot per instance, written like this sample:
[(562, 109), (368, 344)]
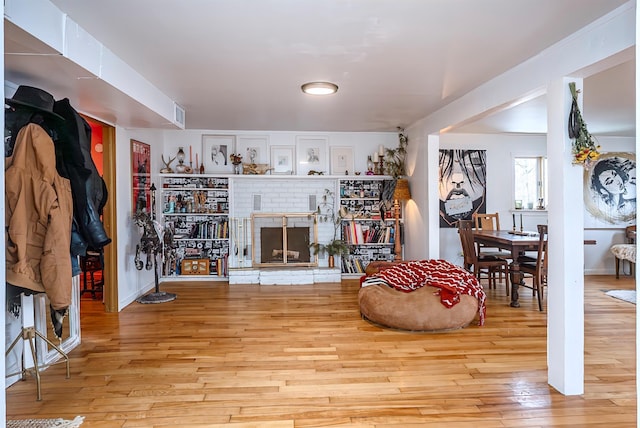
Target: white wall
[(501, 149), (132, 283)]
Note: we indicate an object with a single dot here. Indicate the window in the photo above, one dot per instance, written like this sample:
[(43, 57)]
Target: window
[(530, 182)]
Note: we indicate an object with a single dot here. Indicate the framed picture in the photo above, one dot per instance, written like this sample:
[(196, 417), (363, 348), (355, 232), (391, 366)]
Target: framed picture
[(459, 200), (312, 154), (282, 160), (216, 153), (342, 161), (140, 177), (610, 191), (253, 149)]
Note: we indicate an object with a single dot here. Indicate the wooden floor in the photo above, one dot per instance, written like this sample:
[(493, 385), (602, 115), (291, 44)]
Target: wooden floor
[(301, 356)]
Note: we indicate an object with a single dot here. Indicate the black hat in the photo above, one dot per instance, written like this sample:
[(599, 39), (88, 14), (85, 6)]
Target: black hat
[(34, 98)]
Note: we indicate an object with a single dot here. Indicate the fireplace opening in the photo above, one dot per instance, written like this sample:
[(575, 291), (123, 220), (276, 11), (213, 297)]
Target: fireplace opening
[(283, 239)]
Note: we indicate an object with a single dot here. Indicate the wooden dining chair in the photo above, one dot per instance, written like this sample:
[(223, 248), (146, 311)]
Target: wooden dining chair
[(477, 263), (537, 270), (486, 221), (489, 221)]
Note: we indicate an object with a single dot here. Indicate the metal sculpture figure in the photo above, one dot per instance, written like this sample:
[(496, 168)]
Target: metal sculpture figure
[(151, 245)]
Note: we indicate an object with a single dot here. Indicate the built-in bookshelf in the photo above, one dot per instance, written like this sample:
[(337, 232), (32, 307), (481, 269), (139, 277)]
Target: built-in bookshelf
[(367, 222), (195, 217)]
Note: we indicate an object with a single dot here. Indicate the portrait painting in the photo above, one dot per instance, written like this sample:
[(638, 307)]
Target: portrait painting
[(610, 190), (216, 152), (312, 154), (253, 149), (462, 185)]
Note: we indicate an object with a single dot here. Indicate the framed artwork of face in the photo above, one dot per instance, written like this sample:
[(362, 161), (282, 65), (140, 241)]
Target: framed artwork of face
[(610, 190), (462, 185)]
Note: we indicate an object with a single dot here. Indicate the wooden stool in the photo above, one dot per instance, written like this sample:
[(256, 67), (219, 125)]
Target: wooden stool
[(90, 264)]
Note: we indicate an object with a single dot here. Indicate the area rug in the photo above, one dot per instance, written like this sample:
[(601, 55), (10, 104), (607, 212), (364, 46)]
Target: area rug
[(626, 295), (46, 423)]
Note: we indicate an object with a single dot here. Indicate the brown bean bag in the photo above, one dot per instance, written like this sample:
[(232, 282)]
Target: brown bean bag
[(420, 310)]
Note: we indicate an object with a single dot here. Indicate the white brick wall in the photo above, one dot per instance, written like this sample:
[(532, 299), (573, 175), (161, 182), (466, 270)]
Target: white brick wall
[(286, 194)]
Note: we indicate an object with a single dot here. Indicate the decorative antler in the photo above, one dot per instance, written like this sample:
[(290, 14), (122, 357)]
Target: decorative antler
[(167, 165)]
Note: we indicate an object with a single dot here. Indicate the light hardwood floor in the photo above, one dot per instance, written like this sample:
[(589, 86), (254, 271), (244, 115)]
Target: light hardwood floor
[(301, 356)]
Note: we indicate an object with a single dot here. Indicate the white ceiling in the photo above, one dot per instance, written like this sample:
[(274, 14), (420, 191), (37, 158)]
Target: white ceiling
[(239, 64)]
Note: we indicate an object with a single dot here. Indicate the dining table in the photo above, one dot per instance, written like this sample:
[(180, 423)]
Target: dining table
[(516, 243)]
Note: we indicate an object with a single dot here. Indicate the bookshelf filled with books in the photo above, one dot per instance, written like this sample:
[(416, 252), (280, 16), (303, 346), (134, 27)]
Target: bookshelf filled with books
[(195, 217), (367, 222)]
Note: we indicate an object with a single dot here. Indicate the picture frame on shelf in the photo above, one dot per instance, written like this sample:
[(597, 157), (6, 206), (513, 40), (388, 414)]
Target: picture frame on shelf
[(342, 161), (216, 153), (253, 148), (140, 177), (312, 154), (282, 160)]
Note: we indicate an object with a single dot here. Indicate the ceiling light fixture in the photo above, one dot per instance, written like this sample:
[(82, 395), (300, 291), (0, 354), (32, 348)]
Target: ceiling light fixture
[(320, 88)]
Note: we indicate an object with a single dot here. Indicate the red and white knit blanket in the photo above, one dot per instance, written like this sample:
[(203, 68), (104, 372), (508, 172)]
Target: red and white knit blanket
[(453, 281)]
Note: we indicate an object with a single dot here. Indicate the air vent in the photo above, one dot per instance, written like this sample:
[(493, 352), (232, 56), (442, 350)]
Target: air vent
[(257, 203), (178, 114)]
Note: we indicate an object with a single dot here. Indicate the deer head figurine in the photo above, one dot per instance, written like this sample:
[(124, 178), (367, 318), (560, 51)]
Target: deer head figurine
[(167, 165)]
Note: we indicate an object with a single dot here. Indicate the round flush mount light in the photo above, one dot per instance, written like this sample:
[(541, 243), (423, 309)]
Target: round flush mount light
[(320, 88)]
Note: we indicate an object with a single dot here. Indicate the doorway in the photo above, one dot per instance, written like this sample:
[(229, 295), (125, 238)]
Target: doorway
[(103, 154)]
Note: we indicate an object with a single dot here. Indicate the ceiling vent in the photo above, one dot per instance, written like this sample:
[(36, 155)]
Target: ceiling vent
[(178, 115)]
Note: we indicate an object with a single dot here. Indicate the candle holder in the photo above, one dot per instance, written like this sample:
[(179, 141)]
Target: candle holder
[(521, 226), (181, 168), (369, 165)]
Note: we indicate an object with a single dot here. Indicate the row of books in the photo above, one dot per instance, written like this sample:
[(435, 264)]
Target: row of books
[(220, 266), (356, 233), (359, 264), (210, 230), (353, 265)]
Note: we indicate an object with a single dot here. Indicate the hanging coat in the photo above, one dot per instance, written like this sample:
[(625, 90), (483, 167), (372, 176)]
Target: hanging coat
[(38, 215), (73, 144)]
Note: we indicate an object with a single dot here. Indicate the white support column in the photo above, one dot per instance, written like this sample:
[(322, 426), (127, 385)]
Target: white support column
[(433, 197), (565, 295)]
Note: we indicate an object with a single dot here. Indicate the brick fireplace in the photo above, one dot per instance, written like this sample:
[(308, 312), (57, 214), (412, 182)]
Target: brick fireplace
[(283, 239), (268, 196)]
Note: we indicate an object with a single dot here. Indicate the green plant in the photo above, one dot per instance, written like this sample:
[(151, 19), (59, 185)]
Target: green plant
[(336, 247), (395, 159), (326, 213)]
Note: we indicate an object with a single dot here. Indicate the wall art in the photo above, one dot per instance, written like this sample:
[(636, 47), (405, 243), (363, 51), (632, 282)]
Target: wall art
[(610, 190), (462, 185)]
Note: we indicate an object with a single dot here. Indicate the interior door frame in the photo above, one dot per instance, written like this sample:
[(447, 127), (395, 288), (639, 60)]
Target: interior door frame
[(109, 216)]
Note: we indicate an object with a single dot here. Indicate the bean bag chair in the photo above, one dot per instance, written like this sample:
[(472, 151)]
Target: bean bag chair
[(428, 295)]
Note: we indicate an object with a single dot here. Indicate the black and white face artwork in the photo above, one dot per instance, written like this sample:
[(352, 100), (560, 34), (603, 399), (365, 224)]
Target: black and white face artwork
[(462, 185), (610, 188)]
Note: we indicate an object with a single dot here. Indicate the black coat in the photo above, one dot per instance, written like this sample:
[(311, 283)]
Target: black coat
[(73, 150)]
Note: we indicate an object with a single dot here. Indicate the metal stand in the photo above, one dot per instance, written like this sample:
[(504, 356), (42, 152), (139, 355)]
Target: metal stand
[(157, 296), (29, 363)]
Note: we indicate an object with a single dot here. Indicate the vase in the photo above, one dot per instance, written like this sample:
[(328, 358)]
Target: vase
[(236, 169), (332, 262)]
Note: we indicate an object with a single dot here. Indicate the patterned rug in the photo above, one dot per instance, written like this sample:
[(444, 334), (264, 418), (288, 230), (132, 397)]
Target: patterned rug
[(626, 295), (46, 423)]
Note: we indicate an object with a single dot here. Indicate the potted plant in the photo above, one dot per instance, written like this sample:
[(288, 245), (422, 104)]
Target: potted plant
[(326, 213), (395, 159)]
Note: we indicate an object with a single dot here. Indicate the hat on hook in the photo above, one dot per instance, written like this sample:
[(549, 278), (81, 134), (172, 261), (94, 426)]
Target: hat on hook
[(34, 98)]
